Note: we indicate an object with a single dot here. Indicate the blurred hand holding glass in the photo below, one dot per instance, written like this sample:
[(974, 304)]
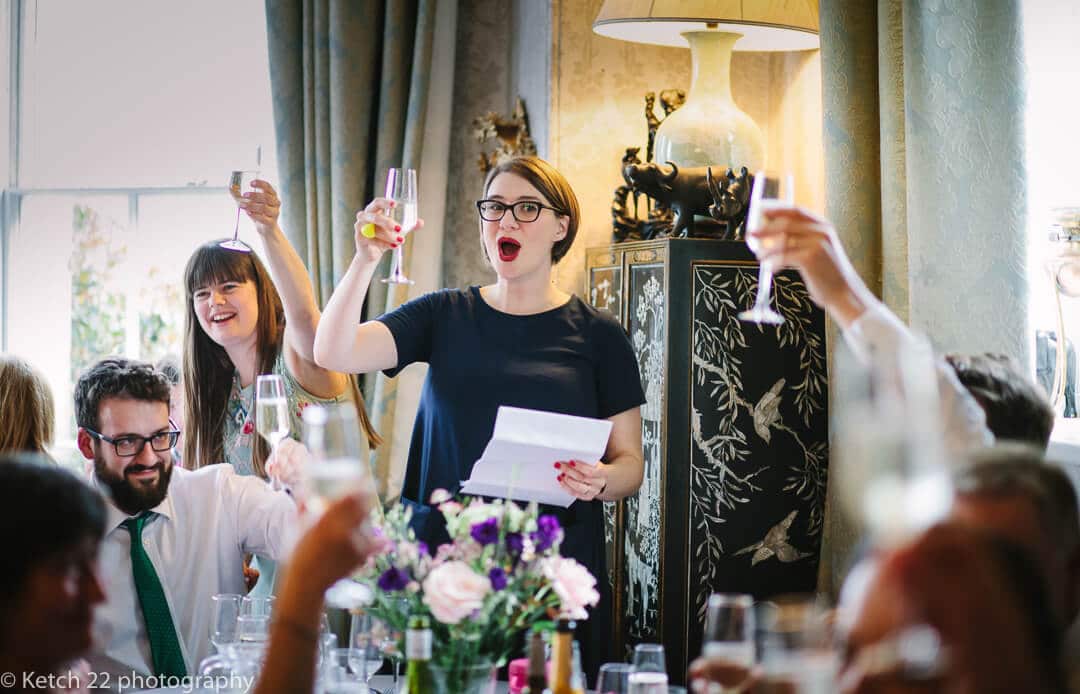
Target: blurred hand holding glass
[(890, 449), (338, 467)]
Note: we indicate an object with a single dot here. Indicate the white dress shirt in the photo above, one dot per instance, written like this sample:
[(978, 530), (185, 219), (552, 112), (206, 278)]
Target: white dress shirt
[(210, 518), (963, 421)]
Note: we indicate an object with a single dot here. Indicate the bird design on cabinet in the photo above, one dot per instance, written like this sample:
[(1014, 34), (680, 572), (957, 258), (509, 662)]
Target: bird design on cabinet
[(775, 544), (767, 411)]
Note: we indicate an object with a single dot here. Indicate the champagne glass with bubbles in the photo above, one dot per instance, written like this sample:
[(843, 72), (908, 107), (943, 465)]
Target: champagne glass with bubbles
[(401, 188), (770, 191), (271, 412)]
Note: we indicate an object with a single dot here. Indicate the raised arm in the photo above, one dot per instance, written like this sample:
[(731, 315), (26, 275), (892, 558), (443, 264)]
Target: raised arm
[(796, 238), (342, 342), (294, 286)]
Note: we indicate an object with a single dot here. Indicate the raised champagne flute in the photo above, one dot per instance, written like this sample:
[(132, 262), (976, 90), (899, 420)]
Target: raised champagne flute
[(770, 191), (239, 183), (649, 675), (337, 468), (401, 188), (271, 413)]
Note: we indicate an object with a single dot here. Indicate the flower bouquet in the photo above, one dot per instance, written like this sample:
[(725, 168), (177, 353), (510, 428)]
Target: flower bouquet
[(500, 575)]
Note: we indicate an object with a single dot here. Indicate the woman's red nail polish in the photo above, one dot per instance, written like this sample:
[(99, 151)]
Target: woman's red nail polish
[(397, 227), (557, 466), (400, 239), (571, 463)]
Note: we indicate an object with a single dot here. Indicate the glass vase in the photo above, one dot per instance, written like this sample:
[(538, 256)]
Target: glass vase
[(477, 678)]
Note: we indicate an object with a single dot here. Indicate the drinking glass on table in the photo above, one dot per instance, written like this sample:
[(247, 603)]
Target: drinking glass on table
[(271, 413), (770, 191), (256, 607), (365, 642), (649, 675), (332, 436), (729, 629), (614, 678), (797, 651), (401, 188), (340, 676), (224, 611)]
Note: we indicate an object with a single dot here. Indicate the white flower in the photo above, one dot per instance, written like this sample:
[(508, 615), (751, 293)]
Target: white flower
[(439, 496), (574, 585), (453, 591)]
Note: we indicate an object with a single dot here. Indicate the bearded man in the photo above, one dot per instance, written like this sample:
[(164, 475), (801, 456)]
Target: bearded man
[(173, 537)]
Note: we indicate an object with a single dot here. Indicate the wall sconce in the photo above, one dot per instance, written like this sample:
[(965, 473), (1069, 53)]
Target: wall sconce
[(710, 130), (1063, 264)]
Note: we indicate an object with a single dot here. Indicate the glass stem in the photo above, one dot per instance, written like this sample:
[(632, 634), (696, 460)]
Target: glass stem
[(764, 289)]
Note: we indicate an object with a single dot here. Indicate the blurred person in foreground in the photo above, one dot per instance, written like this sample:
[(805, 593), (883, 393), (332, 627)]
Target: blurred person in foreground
[(27, 416), (50, 584), (955, 610), (1014, 492), (49, 581)]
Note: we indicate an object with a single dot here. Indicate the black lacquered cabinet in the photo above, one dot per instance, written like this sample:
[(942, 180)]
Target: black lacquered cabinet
[(735, 437)]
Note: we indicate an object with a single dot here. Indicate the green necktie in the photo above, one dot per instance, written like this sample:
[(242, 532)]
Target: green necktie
[(164, 644)]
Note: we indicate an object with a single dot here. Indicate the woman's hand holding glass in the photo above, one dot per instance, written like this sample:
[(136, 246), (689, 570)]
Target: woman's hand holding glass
[(262, 206), (376, 231)]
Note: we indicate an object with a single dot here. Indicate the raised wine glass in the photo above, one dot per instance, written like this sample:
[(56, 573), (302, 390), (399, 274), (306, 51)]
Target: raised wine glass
[(239, 183), (729, 629), (337, 468), (770, 191), (401, 188)]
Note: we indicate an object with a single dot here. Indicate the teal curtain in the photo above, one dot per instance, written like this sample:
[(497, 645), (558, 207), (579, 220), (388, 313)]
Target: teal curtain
[(924, 159), (350, 88)]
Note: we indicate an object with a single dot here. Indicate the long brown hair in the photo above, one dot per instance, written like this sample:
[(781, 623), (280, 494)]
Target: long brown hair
[(208, 371), (27, 417)]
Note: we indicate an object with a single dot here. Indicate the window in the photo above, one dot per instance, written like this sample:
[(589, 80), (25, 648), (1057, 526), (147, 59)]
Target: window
[(122, 120), (1053, 104)]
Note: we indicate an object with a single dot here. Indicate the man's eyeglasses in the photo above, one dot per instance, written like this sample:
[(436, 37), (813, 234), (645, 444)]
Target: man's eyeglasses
[(523, 210), (132, 445)]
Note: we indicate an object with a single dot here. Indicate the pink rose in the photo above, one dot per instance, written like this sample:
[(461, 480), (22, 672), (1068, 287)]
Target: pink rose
[(453, 591), (573, 583)]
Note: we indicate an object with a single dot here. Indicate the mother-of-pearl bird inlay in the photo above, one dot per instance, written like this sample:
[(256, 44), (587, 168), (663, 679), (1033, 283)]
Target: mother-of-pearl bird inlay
[(775, 544)]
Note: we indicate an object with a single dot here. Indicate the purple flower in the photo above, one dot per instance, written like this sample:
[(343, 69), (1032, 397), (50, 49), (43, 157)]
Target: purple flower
[(514, 544), (547, 532), (486, 532), (393, 579), (498, 578), (422, 548)]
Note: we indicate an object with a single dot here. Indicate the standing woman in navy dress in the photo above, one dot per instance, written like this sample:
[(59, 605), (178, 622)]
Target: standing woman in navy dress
[(521, 342)]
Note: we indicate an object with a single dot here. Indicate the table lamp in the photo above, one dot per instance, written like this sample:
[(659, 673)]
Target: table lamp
[(1063, 264), (709, 129)]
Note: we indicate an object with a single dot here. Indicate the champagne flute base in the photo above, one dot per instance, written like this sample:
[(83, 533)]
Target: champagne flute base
[(762, 315), (236, 245)]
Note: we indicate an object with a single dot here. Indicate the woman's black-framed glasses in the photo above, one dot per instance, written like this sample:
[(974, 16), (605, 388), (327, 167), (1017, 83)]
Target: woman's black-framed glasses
[(132, 445), (523, 210)]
